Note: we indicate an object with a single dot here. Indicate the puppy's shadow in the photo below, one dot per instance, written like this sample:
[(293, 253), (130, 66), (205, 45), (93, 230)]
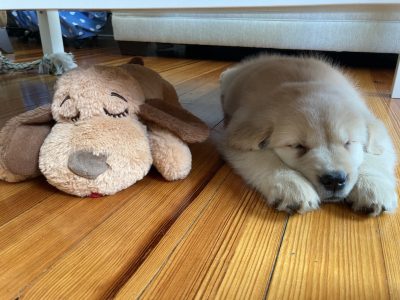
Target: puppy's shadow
[(337, 210), (342, 210)]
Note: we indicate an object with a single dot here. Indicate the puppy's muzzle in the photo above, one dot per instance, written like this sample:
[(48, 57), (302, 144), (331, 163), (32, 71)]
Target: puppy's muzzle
[(333, 181), (86, 164)]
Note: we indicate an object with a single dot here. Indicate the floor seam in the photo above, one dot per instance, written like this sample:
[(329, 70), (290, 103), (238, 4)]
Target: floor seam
[(276, 258)]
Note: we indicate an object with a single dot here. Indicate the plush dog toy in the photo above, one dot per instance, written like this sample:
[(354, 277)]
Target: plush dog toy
[(104, 129)]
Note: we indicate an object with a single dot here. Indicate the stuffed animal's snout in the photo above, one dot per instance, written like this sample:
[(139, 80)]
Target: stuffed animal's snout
[(96, 156), (86, 164)]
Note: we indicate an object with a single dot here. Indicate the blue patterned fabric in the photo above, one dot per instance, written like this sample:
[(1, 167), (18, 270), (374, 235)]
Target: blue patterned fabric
[(74, 24)]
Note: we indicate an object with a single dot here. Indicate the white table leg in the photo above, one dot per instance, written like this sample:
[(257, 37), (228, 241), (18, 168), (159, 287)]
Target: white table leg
[(396, 81), (50, 31)]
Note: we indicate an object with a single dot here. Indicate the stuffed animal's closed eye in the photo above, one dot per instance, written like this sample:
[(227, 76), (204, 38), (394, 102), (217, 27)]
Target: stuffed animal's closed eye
[(104, 129)]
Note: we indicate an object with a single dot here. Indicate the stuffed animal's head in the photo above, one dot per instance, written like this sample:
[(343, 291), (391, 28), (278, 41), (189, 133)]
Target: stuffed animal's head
[(99, 91), (90, 141), (97, 146)]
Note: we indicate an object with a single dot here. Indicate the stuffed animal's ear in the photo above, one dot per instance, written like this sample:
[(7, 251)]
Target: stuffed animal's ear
[(175, 119), (21, 139)]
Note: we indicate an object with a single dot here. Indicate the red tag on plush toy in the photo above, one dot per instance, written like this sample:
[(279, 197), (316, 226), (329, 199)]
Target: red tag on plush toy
[(95, 195)]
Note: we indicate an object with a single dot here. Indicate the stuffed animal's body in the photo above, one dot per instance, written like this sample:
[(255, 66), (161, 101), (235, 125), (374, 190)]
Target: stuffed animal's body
[(105, 128)]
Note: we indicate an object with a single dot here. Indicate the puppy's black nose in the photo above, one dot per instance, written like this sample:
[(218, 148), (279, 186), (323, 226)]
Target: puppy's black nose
[(333, 181)]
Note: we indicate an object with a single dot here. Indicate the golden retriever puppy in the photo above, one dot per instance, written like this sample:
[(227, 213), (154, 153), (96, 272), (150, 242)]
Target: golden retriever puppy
[(298, 131)]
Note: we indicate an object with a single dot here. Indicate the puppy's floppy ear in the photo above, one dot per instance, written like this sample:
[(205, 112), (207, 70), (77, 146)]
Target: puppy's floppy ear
[(244, 132), (21, 139), (377, 136), (174, 118)]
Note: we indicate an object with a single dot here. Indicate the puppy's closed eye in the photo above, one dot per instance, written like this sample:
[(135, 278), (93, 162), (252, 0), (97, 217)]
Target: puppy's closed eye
[(300, 148), (263, 144)]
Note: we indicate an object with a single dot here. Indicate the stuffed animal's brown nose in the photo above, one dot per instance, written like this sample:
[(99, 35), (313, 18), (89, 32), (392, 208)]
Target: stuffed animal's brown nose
[(87, 165)]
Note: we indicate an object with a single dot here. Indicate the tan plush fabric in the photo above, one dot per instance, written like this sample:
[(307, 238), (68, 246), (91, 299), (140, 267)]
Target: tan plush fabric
[(171, 156), (179, 121), (20, 141), (23, 151), (151, 83), (99, 145), (170, 125), (90, 91), (96, 113), (162, 106), (123, 141)]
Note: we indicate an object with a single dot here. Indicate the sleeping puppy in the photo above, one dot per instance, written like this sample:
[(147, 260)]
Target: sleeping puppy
[(299, 132)]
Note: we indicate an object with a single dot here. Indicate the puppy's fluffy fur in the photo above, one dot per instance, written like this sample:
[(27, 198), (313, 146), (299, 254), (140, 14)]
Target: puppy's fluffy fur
[(293, 122)]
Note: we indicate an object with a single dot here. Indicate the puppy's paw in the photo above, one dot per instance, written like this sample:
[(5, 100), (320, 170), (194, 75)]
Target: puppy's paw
[(373, 196), (292, 193)]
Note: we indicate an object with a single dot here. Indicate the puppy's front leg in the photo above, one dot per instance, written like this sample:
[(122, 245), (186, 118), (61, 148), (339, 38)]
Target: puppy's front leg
[(375, 190), (283, 188)]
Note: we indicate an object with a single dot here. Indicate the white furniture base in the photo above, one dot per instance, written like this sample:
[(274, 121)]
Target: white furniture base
[(50, 31), (353, 28), (396, 81)]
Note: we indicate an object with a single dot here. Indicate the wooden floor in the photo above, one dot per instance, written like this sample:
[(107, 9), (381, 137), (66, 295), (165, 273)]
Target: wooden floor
[(208, 236)]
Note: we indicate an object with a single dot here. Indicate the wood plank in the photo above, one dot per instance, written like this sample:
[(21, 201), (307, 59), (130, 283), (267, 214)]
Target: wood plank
[(201, 96), (389, 231), (223, 246), (202, 83), (10, 188), (32, 242), (158, 64), (187, 72), (389, 226), (19, 198), (331, 253), (145, 273), (207, 107), (107, 256)]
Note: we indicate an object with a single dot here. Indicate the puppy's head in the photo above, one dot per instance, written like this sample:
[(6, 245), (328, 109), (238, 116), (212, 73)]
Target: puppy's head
[(320, 132)]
